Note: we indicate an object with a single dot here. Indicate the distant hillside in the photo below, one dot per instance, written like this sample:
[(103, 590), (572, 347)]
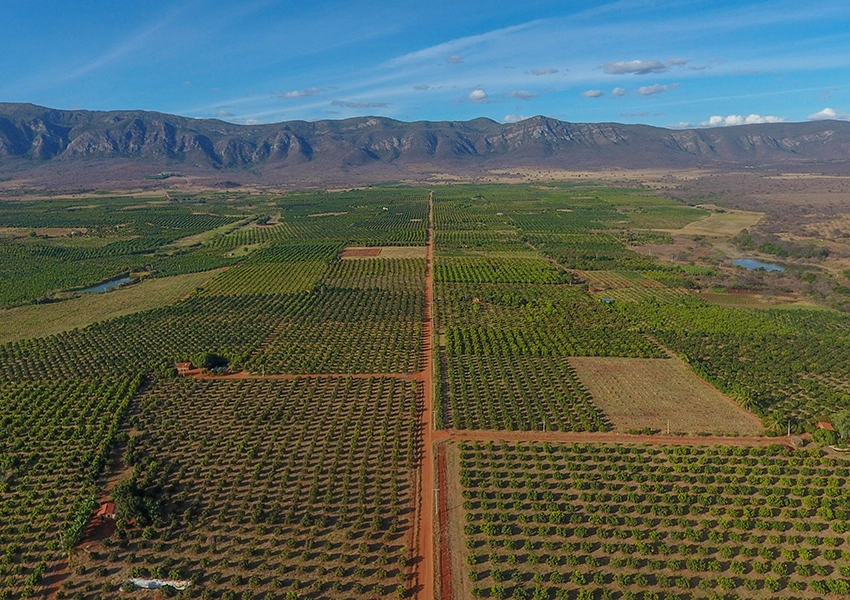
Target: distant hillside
[(69, 144)]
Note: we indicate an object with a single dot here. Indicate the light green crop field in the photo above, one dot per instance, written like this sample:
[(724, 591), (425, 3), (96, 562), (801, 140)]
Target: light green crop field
[(37, 320)]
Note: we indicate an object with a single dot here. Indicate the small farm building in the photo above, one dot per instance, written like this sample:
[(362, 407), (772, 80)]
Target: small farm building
[(107, 510), (825, 425), (183, 368)]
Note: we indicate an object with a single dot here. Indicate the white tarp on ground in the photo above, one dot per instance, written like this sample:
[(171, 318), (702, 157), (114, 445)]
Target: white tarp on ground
[(155, 584)]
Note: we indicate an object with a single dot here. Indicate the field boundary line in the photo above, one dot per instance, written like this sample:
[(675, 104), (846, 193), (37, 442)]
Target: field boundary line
[(461, 435)]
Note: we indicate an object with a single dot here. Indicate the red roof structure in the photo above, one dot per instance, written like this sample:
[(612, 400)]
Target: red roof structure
[(107, 510), (183, 368), (825, 425)]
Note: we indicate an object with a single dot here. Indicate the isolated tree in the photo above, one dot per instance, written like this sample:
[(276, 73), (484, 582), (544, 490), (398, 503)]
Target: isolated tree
[(841, 422)]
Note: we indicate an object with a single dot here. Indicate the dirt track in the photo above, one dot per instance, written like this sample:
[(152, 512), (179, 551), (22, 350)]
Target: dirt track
[(425, 527)]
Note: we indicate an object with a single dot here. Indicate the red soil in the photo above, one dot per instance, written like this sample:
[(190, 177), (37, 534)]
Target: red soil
[(425, 530)]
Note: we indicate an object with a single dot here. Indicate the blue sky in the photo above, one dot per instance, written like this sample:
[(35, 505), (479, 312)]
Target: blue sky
[(667, 63)]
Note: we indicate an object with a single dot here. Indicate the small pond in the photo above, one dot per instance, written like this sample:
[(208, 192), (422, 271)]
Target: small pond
[(107, 285), (752, 264)]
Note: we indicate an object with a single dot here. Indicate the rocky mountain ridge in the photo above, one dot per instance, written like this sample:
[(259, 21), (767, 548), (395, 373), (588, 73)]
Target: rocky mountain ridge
[(32, 135)]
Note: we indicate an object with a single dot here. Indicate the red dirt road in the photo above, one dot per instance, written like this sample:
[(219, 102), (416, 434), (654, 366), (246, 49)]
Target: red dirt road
[(425, 529)]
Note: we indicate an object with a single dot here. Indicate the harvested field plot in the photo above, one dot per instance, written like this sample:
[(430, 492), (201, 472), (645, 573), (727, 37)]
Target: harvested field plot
[(628, 522), (727, 223), (384, 252), (258, 489), (518, 393), (639, 393)]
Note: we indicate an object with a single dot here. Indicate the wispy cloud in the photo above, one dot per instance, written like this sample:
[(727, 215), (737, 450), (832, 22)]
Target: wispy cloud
[(351, 104), (829, 113), (731, 120), (618, 91), (454, 59), (593, 94), (136, 42), (453, 48), (422, 87), (651, 90), (544, 71), (478, 96), (522, 95)]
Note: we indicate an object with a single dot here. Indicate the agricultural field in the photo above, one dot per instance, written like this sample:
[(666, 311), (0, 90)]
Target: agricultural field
[(639, 394), (259, 488), (292, 462), (534, 393), (341, 330), (544, 520)]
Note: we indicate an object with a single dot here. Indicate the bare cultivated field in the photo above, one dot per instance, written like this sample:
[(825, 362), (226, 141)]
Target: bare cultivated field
[(384, 252), (727, 223), (14, 232), (636, 393), (755, 300)]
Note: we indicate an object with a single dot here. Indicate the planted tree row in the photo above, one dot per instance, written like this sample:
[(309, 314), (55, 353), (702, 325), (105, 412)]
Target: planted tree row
[(517, 393)]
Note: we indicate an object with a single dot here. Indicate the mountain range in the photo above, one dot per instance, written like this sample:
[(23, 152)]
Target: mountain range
[(84, 146)]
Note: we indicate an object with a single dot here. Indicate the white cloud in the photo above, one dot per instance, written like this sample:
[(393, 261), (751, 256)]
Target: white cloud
[(223, 113), (593, 93), (642, 67), (649, 90), (829, 113), (312, 91), (730, 120), (618, 91), (546, 71), (478, 95), (455, 59), (522, 95), (513, 118)]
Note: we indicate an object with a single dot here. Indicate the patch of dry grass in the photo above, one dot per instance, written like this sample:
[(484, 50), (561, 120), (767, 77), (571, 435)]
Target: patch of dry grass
[(638, 393)]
